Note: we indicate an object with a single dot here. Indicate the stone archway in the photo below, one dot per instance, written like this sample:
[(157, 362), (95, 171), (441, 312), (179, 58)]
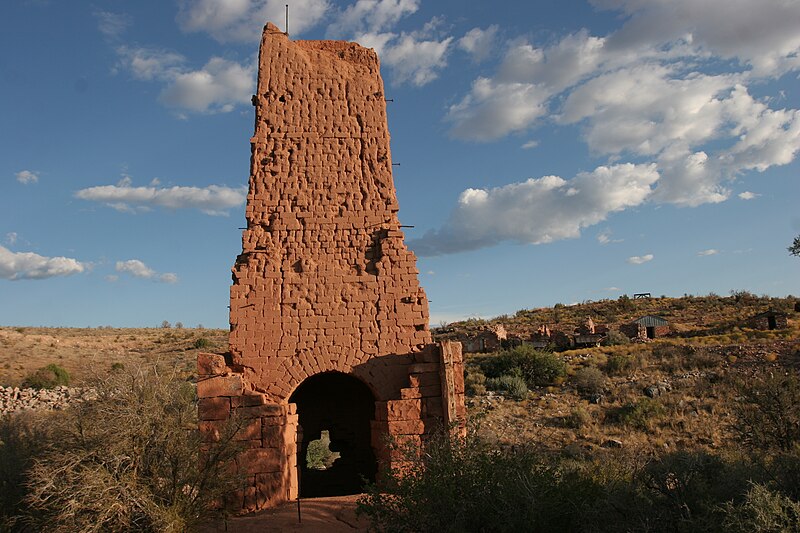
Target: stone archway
[(344, 406)]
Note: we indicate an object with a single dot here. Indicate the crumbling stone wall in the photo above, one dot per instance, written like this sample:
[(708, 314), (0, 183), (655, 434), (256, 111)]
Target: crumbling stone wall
[(324, 282)]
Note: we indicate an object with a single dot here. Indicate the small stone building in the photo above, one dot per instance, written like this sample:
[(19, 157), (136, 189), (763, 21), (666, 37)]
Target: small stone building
[(486, 339), (646, 327), (329, 325), (769, 320)]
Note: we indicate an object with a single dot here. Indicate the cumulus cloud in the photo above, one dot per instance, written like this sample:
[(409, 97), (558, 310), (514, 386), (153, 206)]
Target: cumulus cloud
[(710, 251), (242, 20), (539, 210), (416, 59), (211, 200), (26, 177), (670, 86), (138, 269), (640, 259), (369, 16), (218, 86), (28, 265), (479, 43), (747, 195)]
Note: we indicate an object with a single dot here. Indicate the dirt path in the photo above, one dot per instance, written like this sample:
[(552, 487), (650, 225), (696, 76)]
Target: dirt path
[(334, 515)]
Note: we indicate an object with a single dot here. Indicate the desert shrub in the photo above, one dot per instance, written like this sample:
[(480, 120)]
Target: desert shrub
[(769, 412), (763, 510), (619, 364), (535, 367), (686, 489), (465, 485), (201, 342), (23, 436), (474, 381), (117, 367), (616, 338), (513, 385), (131, 460), (589, 379), (641, 414), (47, 377), (578, 417)]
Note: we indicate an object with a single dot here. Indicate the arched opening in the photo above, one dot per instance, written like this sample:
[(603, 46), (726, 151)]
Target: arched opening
[(343, 406)]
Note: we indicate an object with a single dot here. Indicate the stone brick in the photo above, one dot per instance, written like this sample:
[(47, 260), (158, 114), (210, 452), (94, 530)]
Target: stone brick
[(219, 386), (211, 364), (214, 408)]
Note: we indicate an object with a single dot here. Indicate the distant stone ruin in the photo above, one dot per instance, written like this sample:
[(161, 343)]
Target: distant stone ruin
[(329, 326)]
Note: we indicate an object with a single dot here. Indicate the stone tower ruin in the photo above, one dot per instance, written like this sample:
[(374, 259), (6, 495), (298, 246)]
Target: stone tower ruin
[(329, 326)]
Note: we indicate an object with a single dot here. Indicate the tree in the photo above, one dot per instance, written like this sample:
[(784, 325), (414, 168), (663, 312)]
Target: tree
[(794, 249)]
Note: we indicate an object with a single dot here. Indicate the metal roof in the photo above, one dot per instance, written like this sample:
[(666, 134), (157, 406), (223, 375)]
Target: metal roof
[(651, 321)]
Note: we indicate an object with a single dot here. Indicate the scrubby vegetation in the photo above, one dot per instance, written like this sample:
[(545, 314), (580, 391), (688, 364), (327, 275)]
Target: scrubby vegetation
[(47, 377), (131, 460), (471, 485)]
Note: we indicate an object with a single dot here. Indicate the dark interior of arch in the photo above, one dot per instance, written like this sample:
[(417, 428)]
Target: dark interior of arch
[(344, 406)]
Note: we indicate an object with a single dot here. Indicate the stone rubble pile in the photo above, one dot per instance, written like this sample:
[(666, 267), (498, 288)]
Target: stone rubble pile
[(13, 399)]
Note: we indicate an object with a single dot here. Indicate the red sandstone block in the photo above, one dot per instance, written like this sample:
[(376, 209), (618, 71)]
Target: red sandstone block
[(418, 368), (213, 408), (260, 460), (424, 380), (211, 364), (410, 393), (249, 399), (220, 386), (250, 431), (211, 429), (258, 411), (406, 427), (404, 409)]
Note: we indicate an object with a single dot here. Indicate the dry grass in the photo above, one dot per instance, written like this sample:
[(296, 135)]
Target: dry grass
[(87, 352)]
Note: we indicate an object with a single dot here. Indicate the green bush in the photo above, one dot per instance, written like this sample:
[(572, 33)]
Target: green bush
[(641, 414), (202, 342), (589, 379), (318, 454), (131, 460), (474, 381), (537, 368), (616, 338), (47, 377), (763, 510), (513, 385), (769, 412), (578, 418), (618, 364)]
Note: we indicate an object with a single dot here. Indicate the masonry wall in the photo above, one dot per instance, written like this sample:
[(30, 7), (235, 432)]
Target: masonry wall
[(324, 282)]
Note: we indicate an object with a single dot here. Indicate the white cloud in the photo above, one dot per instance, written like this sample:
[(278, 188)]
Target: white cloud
[(372, 16), (640, 259), (611, 289), (415, 59), (762, 35), (218, 86), (28, 265), (11, 238), (493, 110), (138, 269), (530, 144), (538, 210), (479, 43), (112, 25), (211, 200), (747, 195), (705, 253), (242, 20), (670, 86), (604, 237), (150, 63), (111, 278), (26, 177)]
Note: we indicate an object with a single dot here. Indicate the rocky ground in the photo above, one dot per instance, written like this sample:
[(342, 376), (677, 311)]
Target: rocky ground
[(13, 399)]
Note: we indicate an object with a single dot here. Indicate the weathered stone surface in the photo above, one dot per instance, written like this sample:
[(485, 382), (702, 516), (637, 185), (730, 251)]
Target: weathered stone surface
[(324, 283), (210, 364), (214, 408), (220, 386)]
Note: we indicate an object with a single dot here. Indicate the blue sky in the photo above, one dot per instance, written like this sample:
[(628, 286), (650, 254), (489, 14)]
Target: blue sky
[(549, 151)]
